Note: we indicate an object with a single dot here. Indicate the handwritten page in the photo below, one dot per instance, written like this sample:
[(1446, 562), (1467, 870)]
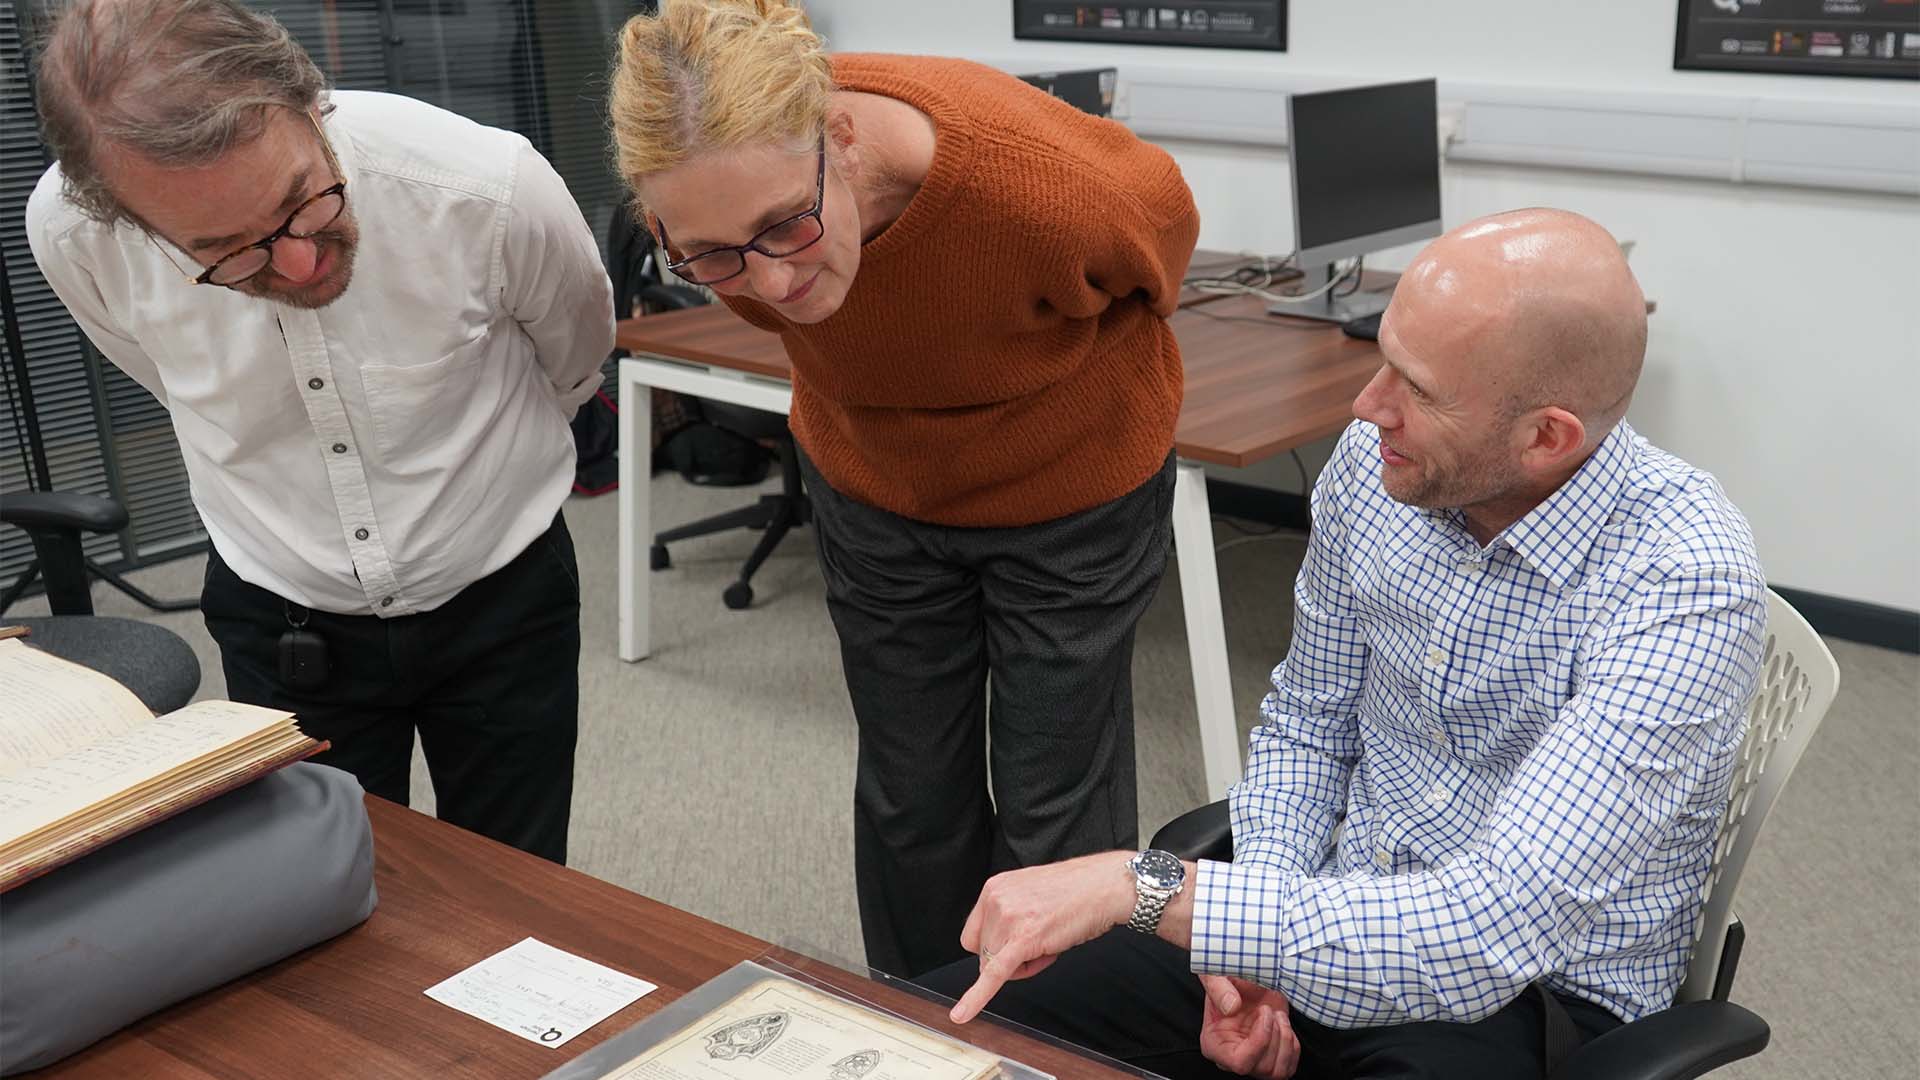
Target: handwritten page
[(52, 706), (777, 1029), (540, 993), (38, 795)]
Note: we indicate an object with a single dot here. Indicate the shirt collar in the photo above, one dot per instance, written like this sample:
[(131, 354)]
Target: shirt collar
[(1556, 536), (344, 152)]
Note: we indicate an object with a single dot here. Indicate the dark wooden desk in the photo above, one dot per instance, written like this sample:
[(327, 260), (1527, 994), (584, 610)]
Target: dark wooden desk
[(1256, 386), (354, 1006)]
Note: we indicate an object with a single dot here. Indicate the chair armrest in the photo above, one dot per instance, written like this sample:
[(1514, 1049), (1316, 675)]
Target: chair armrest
[(62, 510), (1676, 1044), (1203, 833), (671, 297)]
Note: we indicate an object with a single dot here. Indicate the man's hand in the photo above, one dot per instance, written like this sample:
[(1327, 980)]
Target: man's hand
[(1244, 1029), (1026, 918)]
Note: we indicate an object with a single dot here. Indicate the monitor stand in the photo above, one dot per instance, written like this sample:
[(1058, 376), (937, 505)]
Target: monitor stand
[(1330, 308)]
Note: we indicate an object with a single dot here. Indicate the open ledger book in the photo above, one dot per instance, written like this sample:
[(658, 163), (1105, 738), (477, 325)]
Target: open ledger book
[(83, 763)]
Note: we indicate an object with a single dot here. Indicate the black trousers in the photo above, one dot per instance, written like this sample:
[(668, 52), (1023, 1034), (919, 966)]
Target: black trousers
[(490, 680), (1132, 997), (932, 620)]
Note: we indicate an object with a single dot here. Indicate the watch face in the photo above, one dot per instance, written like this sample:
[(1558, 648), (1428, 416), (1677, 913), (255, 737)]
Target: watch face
[(1158, 869)]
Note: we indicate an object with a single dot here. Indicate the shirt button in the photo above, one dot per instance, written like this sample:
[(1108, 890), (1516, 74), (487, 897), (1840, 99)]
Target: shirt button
[(316, 383), (1436, 658), (339, 448), (386, 601), (360, 534), (1383, 858), (1472, 566), (1438, 796)]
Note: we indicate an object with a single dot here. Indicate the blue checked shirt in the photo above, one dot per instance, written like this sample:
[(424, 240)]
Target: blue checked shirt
[(1530, 745)]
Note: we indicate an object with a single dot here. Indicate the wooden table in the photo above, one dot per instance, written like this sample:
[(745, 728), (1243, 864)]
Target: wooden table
[(354, 1007), (1256, 386)]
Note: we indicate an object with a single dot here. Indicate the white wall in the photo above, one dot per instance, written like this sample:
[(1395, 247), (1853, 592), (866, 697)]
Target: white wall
[(1785, 356)]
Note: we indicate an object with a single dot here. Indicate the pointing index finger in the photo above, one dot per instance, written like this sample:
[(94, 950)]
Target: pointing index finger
[(994, 974)]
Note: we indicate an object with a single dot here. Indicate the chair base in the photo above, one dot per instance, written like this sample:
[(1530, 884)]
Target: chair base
[(776, 514)]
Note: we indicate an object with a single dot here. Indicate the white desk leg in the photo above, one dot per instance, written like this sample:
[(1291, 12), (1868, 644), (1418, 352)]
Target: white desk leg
[(1206, 632), (636, 512)]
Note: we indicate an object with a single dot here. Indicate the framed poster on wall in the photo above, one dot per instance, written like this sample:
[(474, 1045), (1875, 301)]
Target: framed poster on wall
[(1873, 38), (1218, 24)]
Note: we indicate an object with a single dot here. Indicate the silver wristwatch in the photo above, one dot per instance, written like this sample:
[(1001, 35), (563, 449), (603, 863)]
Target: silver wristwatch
[(1158, 877)]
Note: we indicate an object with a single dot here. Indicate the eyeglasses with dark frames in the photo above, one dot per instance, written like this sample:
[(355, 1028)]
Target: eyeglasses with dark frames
[(776, 241), (308, 218)]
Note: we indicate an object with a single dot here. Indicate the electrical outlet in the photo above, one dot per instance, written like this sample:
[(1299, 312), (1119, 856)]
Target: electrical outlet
[(1452, 120)]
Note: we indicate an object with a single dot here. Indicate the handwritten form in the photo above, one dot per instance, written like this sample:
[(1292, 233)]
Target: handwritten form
[(52, 706), (540, 993), (36, 796)]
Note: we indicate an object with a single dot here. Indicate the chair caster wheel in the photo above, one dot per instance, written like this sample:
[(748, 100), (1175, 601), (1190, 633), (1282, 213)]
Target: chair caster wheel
[(657, 557), (738, 595)]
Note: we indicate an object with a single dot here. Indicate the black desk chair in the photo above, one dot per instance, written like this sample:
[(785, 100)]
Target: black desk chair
[(152, 661), (639, 288), (1702, 1030)]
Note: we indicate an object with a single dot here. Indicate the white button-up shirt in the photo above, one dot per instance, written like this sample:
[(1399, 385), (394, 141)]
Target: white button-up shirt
[(381, 453), (1531, 759)]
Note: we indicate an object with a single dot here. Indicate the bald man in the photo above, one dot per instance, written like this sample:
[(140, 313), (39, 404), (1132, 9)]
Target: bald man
[(1523, 640)]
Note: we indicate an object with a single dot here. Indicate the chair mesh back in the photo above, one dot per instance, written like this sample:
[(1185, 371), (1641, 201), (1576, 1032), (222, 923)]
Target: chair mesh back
[(1798, 680)]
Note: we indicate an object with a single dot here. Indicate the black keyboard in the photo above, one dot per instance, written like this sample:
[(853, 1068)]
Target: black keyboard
[(1366, 327)]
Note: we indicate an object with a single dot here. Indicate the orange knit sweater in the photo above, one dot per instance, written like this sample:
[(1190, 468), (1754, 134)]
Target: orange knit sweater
[(1002, 357)]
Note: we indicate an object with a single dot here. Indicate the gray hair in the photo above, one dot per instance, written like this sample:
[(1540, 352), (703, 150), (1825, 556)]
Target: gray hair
[(178, 82)]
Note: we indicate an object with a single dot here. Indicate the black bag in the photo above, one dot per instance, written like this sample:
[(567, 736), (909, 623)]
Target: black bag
[(713, 456), (596, 444)]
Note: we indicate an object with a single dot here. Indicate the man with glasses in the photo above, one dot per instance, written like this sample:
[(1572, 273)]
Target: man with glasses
[(379, 467)]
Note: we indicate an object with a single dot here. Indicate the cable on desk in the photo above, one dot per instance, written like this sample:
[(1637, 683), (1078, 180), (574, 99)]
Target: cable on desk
[(1337, 280), (1251, 275), (1259, 320), (1359, 267)]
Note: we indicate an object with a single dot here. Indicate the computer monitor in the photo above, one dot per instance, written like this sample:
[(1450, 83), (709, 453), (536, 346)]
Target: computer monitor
[(1366, 176), (1089, 90)]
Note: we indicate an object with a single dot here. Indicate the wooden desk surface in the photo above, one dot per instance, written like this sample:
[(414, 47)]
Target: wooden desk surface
[(1256, 385), (354, 1006)]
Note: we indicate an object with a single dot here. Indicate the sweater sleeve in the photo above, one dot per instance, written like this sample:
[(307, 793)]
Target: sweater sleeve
[(1138, 227)]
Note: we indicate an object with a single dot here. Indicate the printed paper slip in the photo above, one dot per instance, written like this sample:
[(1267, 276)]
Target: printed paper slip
[(539, 992)]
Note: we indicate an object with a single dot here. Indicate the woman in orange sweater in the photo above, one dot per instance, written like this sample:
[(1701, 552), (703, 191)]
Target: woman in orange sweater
[(972, 280)]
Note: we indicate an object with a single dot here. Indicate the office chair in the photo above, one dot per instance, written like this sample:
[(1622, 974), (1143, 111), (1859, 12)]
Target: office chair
[(152, 661), (638, 286), (1702, 1030)]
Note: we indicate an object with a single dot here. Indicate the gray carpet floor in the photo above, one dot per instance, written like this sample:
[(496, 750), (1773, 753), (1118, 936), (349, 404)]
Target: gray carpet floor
[(717, 774)]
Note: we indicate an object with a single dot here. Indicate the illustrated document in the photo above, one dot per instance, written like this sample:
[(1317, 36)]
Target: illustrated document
[(779, 1029)]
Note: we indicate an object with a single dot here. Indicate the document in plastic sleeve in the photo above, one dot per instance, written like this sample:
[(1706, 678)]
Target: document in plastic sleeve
[(777, 1029)]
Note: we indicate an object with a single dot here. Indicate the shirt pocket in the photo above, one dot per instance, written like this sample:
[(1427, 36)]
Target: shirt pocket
[(418, 409)]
